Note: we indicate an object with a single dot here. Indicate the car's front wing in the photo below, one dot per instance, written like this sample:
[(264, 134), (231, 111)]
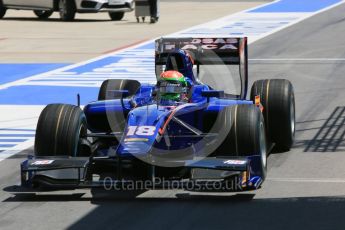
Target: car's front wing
[(75, 172)]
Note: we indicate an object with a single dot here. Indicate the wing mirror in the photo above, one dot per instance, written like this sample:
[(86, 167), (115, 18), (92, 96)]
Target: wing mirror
[(212, 93)]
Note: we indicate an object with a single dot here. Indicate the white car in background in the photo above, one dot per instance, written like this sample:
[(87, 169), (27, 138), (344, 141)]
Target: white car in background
[(68, 8)]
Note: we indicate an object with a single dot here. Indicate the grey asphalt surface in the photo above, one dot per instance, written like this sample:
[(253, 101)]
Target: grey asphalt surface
[(305, 187), (26, 39)]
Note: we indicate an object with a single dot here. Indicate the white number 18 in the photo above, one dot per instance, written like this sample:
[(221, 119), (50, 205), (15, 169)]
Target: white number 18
[(141, 130)]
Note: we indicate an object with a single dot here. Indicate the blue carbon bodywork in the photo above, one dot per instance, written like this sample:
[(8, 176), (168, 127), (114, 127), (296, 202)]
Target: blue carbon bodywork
[(134, 132), (144, 111)]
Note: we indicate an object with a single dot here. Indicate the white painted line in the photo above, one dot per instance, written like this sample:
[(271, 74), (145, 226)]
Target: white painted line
[(16, 132), (24, 80), (307, 180), (13, 138), (16, 149), (300, 20), (2, 142)]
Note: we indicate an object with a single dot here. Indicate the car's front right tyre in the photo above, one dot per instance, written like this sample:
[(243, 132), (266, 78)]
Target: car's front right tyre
[(241, 132), (59, 131)]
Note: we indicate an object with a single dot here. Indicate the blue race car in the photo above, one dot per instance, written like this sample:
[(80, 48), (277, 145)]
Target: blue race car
[(192, 129)]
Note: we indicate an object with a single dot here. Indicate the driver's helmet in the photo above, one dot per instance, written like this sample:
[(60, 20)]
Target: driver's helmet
[(172, 86)]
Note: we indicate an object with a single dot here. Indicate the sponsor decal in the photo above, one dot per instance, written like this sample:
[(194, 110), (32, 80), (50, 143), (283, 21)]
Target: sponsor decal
[(136, 140), (244, 179), (258, 103), (235, 162), (42, 162), (205, 43), (141, 130)]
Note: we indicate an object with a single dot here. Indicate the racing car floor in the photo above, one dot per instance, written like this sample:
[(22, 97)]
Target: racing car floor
[(305, 187)]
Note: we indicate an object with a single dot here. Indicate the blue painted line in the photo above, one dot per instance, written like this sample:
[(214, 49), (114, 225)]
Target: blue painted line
[(13, 140), (13, 72), (17, 135), (299, 6), (65, 80), (6, 145), (42, 95), (19, 130)]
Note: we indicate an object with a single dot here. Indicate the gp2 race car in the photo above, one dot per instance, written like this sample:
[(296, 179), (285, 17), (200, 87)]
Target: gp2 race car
[(132, 134)]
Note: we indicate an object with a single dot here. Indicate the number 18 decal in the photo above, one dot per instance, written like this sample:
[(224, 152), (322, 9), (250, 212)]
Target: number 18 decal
[(141, 130)]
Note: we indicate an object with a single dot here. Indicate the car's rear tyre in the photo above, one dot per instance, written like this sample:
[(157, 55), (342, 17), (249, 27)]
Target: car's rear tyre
[(116, 16), (59, 132), (117, 84), (2, 10), (43, 14), (67, 10), (278, 101), (241, 131)]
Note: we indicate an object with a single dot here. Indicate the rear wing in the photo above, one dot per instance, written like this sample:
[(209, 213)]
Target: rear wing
[(205, 51), (208, 51)]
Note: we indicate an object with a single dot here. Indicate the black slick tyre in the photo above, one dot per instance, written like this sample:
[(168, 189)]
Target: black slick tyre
[(242, 133), (278, 101), (59, 131)]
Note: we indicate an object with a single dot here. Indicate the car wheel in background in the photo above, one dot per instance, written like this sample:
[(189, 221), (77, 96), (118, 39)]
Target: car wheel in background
[(60, 131), (117, 84), (278, 101), (2, 10), (67, 9), (116, 16), (43, 14)]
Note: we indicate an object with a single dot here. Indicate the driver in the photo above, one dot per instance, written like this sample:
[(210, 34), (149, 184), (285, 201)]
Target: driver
[(172, 87)]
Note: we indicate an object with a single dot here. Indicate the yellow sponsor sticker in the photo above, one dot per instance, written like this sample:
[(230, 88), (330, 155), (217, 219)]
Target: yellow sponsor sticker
[(258, 103), (257, 100), (136, 140)]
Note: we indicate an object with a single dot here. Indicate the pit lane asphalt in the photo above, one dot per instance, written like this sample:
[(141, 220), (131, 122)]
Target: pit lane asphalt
[(305, 187)]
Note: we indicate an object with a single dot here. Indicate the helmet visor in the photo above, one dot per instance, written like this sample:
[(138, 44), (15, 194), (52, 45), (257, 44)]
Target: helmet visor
[(166, 87)]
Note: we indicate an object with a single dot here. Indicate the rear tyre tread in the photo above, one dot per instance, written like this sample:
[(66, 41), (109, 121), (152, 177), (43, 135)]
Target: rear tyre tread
[(277, 98)]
